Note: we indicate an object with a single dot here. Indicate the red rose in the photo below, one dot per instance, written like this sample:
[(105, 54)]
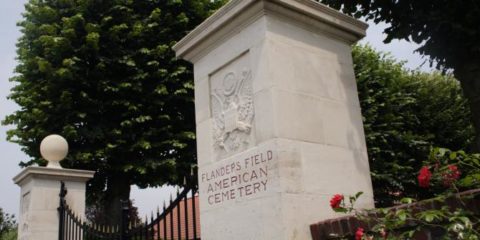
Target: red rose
[(383, 233), (451, 175), (336, 200), (424, 177), (359, 234)]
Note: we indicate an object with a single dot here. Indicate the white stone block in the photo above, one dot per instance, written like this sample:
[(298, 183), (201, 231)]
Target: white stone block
[(236, 43), (259, 58), (298, 117), (202, 100), (205, 143), (305, 70), (264, 122), (335, 170), (343, 125)]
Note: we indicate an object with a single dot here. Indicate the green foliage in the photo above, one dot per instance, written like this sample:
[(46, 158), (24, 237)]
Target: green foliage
[(10, 235), (8, 226), (103, 75), (447, 31), (405, 113)]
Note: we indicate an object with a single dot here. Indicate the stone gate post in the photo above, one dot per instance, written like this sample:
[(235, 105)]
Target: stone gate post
[(39, 199), (279, 126)]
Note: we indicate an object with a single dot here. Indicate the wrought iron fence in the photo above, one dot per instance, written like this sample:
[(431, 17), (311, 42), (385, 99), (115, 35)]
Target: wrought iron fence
[(177, 221)]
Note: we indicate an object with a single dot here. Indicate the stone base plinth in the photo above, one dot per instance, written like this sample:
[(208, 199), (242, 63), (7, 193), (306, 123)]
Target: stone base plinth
[(40, 189)]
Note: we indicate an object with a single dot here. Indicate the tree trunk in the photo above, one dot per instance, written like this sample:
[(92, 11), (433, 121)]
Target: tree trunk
[(118, 189), (468, 74)]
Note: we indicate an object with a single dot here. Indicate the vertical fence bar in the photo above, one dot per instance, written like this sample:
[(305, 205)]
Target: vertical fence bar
[(61, 211), (185, 208), (125, 220), (145, 228), (84, 232), (71, 229), (179, 222), (90, 235), (70, 226), (152, 227), (194, 213), (61, 221), (87, 232), (80, 227), (74, 227), (158, 223), (67, 225), (77, 230), (164, 222), (72, 219), (171, 225), (171, 218)]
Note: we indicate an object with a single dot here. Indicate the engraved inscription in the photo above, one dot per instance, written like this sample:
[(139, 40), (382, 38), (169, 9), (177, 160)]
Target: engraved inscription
[(238, 178)]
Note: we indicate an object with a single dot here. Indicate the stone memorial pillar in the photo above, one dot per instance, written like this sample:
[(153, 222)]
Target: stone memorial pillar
[(279, 126), (40, 189)]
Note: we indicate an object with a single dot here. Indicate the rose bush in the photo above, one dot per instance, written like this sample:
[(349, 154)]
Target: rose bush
[(449, 172)]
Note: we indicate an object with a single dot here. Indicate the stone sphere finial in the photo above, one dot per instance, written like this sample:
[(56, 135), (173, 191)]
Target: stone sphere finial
[(54, 148)]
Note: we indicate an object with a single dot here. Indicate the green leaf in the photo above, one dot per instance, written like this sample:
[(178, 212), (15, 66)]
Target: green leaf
[(407, 200), (358, 195), (92, 39), (402, 215), (441, 152), (431, 215), (340, 210)]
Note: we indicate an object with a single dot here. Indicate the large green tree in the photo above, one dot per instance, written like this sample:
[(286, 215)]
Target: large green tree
[(102, 74), (447, 31), (406, 113)]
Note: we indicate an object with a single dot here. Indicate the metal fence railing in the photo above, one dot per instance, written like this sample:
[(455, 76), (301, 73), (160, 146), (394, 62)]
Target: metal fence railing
[(177, 221)]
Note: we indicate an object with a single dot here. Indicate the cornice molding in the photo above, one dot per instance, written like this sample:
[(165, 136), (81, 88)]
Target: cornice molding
[(53, 173), (238, 13)]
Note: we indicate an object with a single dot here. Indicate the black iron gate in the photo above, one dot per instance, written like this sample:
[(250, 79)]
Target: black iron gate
[(177, 221)]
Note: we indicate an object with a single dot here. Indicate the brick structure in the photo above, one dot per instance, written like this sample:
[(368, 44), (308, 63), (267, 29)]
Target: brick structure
[(346, 226), (175, 216)]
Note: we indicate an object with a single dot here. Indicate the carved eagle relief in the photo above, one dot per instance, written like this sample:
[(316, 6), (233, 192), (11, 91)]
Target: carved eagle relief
[(232, 110)]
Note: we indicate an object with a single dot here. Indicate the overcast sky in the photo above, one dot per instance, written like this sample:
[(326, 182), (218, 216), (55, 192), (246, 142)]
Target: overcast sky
[(146, 200)]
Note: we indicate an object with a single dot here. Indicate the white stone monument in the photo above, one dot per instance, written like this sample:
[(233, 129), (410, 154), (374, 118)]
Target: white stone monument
[(279, 126), (40, 189)]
